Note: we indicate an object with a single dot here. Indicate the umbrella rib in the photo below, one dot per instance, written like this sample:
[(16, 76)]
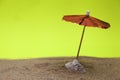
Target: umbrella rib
[(83, 20)]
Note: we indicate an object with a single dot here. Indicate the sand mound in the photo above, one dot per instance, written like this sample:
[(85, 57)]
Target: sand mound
[(53, 69)]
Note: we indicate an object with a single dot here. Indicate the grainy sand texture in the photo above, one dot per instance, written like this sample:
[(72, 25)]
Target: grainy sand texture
[(54, 69)]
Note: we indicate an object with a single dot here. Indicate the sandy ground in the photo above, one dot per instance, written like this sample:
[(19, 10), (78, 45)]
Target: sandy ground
[(53, 69)]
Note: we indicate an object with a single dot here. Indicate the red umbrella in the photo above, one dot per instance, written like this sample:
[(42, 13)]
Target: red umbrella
[(85, 20)]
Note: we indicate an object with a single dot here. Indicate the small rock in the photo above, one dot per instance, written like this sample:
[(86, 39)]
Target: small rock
[(75, 66)]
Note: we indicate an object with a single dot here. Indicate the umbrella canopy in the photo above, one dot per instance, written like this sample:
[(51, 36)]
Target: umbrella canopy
[(85, 20)]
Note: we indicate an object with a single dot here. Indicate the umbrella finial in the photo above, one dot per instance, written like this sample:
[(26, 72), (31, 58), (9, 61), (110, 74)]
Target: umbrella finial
[(88, 12)]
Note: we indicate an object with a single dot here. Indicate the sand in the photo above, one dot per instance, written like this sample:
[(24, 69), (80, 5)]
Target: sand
[(53, 69)]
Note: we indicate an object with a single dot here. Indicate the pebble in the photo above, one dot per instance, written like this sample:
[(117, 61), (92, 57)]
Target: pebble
[(75, 66)]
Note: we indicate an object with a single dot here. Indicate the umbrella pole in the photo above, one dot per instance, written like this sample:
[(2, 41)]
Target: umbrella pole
[(80, 42)]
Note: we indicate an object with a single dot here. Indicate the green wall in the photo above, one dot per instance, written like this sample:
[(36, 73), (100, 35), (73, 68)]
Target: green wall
[(34, 28)]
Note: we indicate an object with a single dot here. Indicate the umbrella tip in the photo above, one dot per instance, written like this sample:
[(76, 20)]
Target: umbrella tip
[(88, 12)]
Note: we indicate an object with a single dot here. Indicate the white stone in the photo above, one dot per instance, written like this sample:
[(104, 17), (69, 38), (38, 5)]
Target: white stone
[(75, 66), (69, 66)]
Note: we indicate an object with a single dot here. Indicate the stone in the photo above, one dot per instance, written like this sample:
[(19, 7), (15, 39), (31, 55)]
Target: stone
[(75, 66)]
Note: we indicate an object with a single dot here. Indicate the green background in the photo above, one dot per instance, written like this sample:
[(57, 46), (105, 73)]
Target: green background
[(34, 28)]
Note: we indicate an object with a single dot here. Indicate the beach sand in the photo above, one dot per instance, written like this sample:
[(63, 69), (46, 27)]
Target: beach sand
[(54, 69)]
